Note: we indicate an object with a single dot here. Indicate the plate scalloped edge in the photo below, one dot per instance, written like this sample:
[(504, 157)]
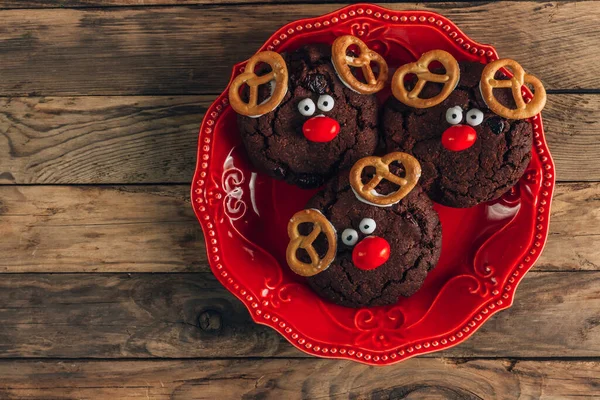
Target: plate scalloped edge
[(501, 299)]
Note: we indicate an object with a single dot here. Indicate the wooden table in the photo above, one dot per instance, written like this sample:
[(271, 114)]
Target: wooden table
[(105, 291)]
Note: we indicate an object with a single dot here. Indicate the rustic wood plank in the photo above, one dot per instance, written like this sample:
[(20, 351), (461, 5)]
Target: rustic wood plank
[(572, 128), (152, 139), (120, 229), (190, 50), (120, 315), (299, 379), (191, 315), (574, 229), (153, 229), (99, 139), (102, 3), (541, 297)]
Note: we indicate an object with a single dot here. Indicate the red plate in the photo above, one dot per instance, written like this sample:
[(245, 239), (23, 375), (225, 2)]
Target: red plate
[(486, 249)]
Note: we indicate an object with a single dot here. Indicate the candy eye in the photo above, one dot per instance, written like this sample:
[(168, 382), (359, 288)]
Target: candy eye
[(325, 103), (474, 117), (349, 237), (454, 115), (306, 107), (367, 226)]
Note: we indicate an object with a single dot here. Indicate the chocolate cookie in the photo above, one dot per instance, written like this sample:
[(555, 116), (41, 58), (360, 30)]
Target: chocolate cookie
[(492, 164), (292, 144), (410, 230)]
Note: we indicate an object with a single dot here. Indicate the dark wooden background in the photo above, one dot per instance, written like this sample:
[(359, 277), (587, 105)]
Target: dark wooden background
[(104, 288)]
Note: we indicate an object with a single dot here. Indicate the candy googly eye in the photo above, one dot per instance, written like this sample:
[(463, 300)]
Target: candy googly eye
[(474, 117), (454, 115), (349, 237), (325, 103), (367, 226), (306, 107)]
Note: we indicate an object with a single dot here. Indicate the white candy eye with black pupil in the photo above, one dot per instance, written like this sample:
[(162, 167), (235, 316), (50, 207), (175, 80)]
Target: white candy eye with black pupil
[(349, 237), (306, 107), (454, 115), (367, 226), (474, 117), (325, 103)]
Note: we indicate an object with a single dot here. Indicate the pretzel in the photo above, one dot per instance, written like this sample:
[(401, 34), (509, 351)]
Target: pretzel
[(368, 194), (342, 62), (420, 69), (524, 110), (278, 75), (298, 241)]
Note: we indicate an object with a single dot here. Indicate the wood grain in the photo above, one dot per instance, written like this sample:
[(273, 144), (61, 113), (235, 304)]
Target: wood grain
[(555, 314), (120, 315), (152, 139), (190, 50), (138, 79), (131, 3), (114, 229), (153, 229), (102, 3), (574, 229), (572, 129), (299, 379), (97, 139)]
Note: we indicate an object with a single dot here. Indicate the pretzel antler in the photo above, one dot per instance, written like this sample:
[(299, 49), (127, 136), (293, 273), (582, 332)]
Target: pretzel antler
[(342, 63), (524, 110), (278, 75), (298, 241), (367, 193), (421, 69)]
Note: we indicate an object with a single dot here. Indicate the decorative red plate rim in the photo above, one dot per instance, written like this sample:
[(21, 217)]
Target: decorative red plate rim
[(501, 299)]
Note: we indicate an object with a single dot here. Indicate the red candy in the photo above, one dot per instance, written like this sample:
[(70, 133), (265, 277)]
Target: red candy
[(321, 129), (459, 137), (371, 253)]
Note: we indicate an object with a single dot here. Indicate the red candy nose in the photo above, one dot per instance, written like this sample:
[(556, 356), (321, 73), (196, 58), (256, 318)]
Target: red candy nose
[(459, 137), (371, 253), (321, 129)]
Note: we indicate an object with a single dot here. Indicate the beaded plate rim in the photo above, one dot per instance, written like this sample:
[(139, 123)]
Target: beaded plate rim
[(500, 300)]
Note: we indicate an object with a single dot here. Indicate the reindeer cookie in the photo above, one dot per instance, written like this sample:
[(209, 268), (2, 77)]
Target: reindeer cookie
[(357, 253), (298, 120), (472, 141)]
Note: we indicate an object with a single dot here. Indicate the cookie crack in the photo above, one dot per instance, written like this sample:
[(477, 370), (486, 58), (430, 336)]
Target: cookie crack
[(265, 152), (266, 143), (348, 276), (397, 281), (337, 292), (359, 118), (329, 204), (388, 284)]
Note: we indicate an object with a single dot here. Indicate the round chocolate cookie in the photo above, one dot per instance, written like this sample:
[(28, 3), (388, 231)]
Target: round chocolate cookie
[(411, 229), (461, 178), (278, 142)]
